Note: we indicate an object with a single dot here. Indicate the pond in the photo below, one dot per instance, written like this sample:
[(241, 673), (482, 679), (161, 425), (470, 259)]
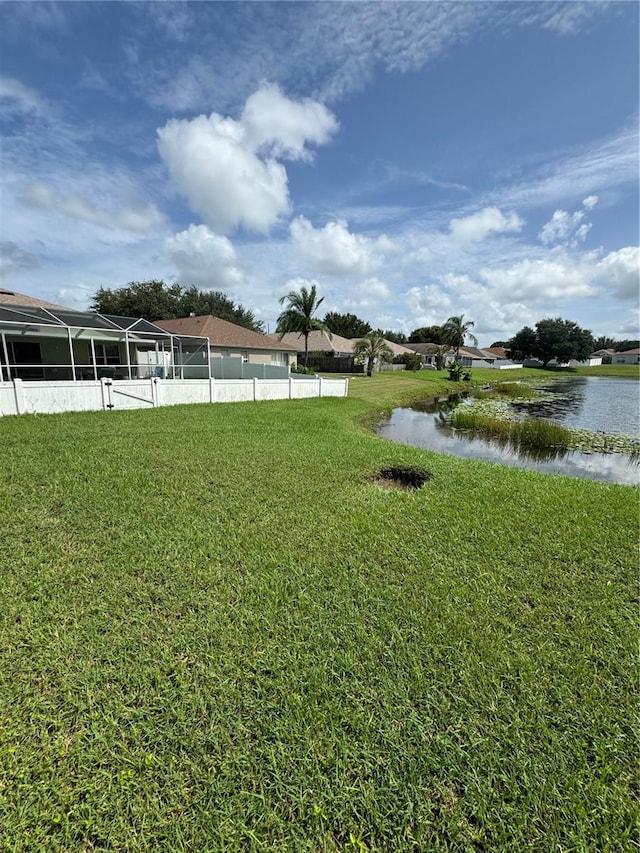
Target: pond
[(599, 404)]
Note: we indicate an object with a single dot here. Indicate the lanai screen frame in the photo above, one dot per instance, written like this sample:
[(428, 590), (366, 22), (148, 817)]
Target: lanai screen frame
[(35, 321)]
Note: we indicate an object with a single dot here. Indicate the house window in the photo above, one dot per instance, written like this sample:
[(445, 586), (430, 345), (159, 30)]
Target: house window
[(107, 354), (24, 352), (281, 358)]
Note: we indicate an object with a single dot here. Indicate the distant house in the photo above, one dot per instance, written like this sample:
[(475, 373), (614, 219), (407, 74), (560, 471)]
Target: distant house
[(477, 357), (228, 339), (429, 353), (319, 343), (631, 356)]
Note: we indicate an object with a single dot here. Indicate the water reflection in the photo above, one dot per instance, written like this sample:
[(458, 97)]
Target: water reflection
[(583, 404), (595, 403)]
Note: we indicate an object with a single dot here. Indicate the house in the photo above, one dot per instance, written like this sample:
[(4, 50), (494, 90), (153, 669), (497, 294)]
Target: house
[(228, 339), (319, 343), (631, 356), (431, 355), (40, 340)]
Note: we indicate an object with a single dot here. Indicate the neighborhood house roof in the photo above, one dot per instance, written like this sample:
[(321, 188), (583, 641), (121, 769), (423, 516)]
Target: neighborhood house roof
[(12, 297), (396, 349), (319, 341), (222, 333)]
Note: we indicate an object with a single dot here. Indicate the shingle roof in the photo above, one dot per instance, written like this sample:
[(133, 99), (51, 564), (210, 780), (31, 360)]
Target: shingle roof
[(12, 297), (396, 349), (319, 341), (222, 333), (425, 349)]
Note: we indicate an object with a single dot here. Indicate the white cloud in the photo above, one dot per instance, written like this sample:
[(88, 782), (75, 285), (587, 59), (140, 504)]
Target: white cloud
[(280, 127), (619, 273), (334, 250), (205, 259), (568, 229), (487, 221), (428, 305), (136, 216), (606, 164), (541, 280), (368, 296), (226, 169)]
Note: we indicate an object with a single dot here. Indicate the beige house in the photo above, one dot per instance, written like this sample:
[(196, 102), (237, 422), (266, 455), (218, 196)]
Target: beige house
[(631, 356), (319, 342), (230, 340)]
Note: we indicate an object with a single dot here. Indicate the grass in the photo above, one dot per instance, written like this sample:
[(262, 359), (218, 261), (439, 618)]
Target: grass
[(217, 634), (527, 433), (620, 371)]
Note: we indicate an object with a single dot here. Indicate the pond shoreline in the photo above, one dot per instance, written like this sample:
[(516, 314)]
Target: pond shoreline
[(568, 450)]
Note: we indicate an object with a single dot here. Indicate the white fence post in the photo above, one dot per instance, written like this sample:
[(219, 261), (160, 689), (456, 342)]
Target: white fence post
[(104, 389), (255, 389), (290, 388), (212, 390), (319, 386), (155, 392), (18, 392)]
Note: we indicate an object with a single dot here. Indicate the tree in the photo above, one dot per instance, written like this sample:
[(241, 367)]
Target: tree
[(298, 315), (373, 348), (553, 338), (347, 325), (455, 330), (395, 337), (624, 346), (500, 344), (427, 335), (214, 302), (522, 345), (155, 300), (603, 342), (562, 340), (440, 355)]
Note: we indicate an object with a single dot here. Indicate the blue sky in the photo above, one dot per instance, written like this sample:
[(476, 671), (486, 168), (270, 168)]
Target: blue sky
[(415, 160)]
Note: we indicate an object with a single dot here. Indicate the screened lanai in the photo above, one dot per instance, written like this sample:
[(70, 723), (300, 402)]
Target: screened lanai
[(50, 344)]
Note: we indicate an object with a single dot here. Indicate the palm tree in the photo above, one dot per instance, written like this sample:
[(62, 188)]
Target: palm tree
[(373, 346), (298, 315), (455, 330)]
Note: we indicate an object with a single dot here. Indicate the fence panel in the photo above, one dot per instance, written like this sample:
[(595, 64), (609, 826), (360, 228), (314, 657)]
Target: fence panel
[(22, 397)]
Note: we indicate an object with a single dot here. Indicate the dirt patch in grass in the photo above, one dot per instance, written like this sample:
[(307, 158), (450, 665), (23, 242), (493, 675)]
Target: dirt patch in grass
[(405, 479)]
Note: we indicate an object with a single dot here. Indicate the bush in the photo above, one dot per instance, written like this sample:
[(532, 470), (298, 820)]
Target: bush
[(411, 360), (458, 372), (300, 368)]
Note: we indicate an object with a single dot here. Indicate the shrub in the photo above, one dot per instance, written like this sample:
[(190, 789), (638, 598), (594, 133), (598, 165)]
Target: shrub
[(457, 372), (411, 360)]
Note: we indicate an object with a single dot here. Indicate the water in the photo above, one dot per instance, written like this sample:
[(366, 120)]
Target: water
[(595, 403)]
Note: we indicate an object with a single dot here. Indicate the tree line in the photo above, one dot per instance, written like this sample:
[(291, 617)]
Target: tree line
[(155, 300), (552, 338)]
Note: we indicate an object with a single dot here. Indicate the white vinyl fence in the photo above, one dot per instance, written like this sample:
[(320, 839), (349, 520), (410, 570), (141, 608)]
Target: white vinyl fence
[(18, 397)]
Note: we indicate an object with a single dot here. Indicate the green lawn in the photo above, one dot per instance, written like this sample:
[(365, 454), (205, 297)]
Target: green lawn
[(217, 634)]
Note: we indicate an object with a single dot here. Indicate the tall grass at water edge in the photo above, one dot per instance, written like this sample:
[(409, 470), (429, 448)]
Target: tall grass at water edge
[(529, 432)]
